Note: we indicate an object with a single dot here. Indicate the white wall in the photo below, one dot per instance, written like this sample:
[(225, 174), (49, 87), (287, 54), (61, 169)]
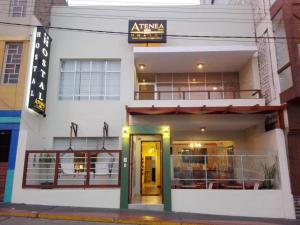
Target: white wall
[(248, 203), (249, 76)]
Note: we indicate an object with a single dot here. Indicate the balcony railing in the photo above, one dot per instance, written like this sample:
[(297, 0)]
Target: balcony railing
[(72, 169), (197, 95), (239, 172)]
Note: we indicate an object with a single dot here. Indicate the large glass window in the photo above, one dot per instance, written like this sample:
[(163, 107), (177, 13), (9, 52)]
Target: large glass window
[(12, 63), (189, 86), (90, 80), (282, 53)]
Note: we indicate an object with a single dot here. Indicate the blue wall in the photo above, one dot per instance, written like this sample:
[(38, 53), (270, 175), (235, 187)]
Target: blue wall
[(10, 120)]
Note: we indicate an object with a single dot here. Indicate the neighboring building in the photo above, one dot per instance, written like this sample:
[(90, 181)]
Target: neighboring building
[(286, 22), (195, 123), (14, 61)]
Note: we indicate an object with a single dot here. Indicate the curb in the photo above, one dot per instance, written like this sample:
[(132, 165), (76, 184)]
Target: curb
[(85, 218)]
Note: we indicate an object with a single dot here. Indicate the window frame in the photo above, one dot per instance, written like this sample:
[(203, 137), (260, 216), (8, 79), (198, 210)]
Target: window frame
[(5, 55), (13, 3), (89, 96)]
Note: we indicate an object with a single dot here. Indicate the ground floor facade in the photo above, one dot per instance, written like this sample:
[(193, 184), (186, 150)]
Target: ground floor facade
[(211, 164)]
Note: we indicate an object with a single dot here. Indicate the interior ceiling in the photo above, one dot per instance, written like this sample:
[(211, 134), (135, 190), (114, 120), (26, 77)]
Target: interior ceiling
[(195, 122), (179, 62)]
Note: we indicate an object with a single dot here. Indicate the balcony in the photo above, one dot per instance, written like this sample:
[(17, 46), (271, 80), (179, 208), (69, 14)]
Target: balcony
[(213, 75)]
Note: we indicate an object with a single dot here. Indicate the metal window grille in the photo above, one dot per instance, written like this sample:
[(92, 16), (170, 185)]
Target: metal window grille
[(12, 63), (18, 8)]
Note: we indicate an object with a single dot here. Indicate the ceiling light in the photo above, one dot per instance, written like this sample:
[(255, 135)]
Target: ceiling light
[(200, 65), (202, 129), (215, 88), (142, 66)]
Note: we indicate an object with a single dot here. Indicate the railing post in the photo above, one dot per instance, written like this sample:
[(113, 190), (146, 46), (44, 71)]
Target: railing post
[(205, 163), (242, 168), (88, 169), (208, 94), (57, 156), (183, 97), (25, 169), (158, 95)]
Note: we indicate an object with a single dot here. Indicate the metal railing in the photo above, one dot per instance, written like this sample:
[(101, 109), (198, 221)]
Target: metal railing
[(72, 169), (236, 172), (197, 95)]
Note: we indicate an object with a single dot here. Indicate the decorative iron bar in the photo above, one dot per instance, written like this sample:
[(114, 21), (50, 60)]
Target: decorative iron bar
[(72, 169)]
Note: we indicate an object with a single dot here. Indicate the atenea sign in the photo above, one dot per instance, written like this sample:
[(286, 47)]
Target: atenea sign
[(38, 87), (147, 31)]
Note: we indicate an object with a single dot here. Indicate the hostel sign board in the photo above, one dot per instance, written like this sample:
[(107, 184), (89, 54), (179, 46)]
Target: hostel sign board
[(147, 31), (38, 87)]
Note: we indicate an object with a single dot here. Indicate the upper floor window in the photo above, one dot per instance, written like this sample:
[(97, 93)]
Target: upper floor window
[(90, 80), (18, 8), (12, 63)]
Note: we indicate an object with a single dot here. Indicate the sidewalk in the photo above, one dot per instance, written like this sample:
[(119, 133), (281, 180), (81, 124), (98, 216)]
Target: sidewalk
[(130, 216)]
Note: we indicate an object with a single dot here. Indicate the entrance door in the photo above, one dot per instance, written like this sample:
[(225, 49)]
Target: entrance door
[(150, 168), (145, 170), (5, 137)]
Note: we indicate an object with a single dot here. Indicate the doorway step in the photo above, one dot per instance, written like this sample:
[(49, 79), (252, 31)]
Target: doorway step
[(149, 207)]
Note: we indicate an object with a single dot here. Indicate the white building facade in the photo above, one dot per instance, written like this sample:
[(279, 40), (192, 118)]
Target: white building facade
[(194, 124)]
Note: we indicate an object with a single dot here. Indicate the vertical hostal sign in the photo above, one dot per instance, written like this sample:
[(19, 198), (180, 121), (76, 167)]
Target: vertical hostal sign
[(38, 87)]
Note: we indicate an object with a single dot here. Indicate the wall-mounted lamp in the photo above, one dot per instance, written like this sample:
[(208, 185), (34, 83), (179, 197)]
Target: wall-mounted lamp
[(166, 131), (125, 132)]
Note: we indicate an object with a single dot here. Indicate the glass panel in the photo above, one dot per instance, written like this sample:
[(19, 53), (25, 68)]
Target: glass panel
[(198, 91), (113, 84), (146, 92), (68, 65), (180, 78), (165, 78), (213, 78), (286, 79), (66, 84), (166, 91), (215, 90), (113, 65), (231, 77), (98, 66), (146, 78), (181, 91), (281, 44), (197, 77), (97, 84), (84, 66), (231, 91)]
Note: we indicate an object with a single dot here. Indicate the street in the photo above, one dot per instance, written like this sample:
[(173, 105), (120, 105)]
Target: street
[(30, 221)]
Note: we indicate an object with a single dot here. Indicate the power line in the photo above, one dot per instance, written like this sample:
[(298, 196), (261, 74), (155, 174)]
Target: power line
[(168, 35)]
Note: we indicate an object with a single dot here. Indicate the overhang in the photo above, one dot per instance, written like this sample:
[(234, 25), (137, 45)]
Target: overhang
[(185, 59), (204, 110)]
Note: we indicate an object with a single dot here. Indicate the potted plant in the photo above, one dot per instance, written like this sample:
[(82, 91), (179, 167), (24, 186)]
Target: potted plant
[(270, 172), (46, 160)]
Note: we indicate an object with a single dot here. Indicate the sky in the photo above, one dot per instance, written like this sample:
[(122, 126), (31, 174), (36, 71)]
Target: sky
[(133, 2)]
